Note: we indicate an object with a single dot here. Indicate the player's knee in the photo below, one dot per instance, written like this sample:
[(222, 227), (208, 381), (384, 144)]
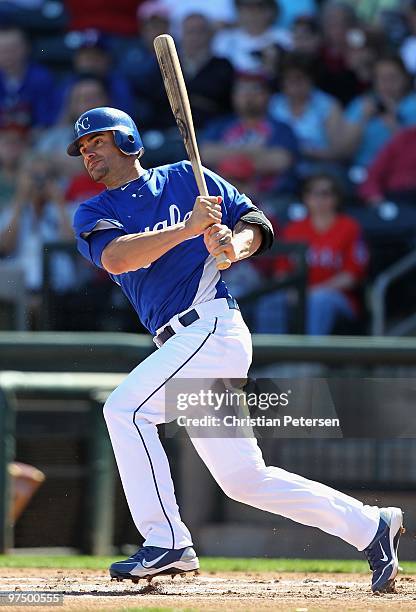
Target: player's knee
[(121, 407), (242, 485), (112, 407), (232, 490)]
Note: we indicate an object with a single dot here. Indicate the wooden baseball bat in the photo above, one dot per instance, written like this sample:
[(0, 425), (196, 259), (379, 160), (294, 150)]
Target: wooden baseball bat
[(170, 68)]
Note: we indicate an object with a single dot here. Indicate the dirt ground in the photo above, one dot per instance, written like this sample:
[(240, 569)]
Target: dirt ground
[(93, 590)]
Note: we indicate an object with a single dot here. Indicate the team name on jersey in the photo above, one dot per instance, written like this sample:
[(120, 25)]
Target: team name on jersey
[(174, 218)]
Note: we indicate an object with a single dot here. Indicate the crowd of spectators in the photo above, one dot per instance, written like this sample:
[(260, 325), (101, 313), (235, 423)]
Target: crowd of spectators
[(306, 106)]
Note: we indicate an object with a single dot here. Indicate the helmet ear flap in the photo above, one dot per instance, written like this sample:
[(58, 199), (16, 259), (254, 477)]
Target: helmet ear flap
[(124, 142)]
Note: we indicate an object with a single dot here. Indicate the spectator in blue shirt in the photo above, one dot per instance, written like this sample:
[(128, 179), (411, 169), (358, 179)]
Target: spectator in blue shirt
[(93, 57), (374, 118), (271, 145), (290, 11), (315, 116), (140, 67), (27, 90)]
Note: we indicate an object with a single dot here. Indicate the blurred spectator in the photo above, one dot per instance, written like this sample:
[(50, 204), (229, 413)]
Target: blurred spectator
[(92, 56), (219, 12), (270, 145), (87, 92), (13, 144), (30, 4), (27, 90), (392, 174), (353, 77), (374, 118), (307, 37), (408, 48), (337, 19), (363, 49), (337, 260), (247, 45), (314, 116), (371, 11), (12, 10), (290, 11), (208, 78), (37, 215), (140, 67), (104, 15), (386, 16)]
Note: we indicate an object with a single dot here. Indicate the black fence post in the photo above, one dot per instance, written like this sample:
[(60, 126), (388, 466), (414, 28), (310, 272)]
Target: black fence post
[(7, 454), (99, 534)]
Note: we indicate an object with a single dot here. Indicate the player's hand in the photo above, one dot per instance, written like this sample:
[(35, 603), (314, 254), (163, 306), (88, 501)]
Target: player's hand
[(218, 239), (206, 212)]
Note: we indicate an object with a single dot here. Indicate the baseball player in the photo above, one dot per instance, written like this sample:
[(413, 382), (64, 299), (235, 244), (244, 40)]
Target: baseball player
[(158, 239)]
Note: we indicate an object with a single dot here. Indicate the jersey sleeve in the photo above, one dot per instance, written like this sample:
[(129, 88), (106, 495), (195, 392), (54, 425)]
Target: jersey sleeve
[(93, 232)]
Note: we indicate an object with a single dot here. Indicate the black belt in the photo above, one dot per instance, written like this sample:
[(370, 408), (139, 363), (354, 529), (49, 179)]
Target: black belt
[(187, 319)]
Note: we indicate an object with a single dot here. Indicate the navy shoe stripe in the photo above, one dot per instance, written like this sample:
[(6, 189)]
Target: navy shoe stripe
[(141, 436)]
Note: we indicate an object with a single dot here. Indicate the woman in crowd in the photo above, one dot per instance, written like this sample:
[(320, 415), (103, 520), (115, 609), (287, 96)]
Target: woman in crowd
[(373, 119), (336, 258), (314, 116), (37, 216)]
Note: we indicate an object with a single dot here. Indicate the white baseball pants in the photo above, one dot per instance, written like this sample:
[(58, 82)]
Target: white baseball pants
[(218, 345)]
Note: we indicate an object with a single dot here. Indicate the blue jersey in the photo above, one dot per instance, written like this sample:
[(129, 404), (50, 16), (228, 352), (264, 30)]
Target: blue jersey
[(184, 276)]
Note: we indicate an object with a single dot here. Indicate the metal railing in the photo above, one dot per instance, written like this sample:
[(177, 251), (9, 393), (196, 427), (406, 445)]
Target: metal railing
[(378, 298), (296, 279)]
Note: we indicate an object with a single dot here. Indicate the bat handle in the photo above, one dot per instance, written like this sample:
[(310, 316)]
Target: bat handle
[(222, 261)]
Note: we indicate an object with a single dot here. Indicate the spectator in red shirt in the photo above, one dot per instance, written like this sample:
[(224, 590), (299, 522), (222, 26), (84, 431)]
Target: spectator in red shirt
[(337, 260), (392, 175), (105, 15)]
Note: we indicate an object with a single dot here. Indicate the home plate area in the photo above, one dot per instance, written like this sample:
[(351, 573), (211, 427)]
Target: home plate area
[(302, 592)]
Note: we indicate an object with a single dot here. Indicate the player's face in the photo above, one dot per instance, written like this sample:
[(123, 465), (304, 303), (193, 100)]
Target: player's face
[(102, 158)]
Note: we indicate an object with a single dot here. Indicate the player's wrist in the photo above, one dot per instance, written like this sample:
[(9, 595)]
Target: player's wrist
[(188, 230)]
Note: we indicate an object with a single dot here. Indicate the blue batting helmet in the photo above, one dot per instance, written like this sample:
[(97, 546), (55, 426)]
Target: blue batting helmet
[(106, 119)]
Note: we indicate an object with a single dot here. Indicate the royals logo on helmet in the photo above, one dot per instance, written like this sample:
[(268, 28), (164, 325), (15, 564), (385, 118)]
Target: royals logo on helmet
[(82, 124)]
